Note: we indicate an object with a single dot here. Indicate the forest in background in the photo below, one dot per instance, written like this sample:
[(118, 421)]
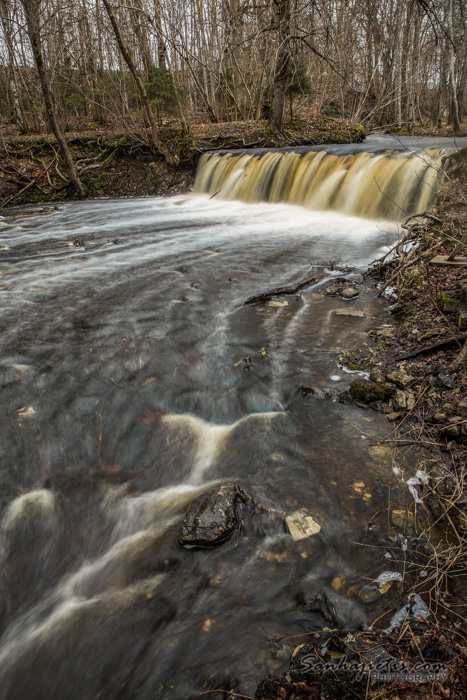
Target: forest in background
[(378, 62)]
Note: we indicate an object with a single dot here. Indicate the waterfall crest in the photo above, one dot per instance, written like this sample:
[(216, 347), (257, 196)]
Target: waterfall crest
[(389, 185)]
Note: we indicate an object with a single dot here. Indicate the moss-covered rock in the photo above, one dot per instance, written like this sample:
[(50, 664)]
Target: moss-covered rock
[(367, 391), (446, 303)]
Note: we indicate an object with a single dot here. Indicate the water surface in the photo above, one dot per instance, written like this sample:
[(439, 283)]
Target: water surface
[(125, 395)]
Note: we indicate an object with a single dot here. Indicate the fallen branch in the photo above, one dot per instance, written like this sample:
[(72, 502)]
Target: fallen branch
[(424, 215), (15, 196), (407, 441), (291, 289), (429, 348)]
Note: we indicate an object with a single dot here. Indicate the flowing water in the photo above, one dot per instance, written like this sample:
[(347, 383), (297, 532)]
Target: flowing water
[(125, 395)]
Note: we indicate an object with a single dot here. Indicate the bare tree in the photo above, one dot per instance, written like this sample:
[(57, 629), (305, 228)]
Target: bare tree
[(32, 14), (171, 159)]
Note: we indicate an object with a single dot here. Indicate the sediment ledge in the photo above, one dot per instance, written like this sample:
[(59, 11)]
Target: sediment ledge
[(115, 165)]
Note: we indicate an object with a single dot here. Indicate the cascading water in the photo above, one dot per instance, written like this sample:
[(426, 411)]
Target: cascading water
[(133, 379), (387, 185)]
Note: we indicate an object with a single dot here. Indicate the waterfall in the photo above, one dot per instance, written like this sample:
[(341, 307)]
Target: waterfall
[(390, 185)]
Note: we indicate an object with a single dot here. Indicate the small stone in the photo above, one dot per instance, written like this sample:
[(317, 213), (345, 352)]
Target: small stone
[(452, 431), (462, 408), (402, 400), (393, 416), (376, 375), (439, 416), (331, 291), (401, 379), (444, 381), (369, 593), (301, 524), (349, 293)]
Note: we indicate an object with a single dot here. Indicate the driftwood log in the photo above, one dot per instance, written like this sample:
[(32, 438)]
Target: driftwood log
[(291, 289), (429, 348)]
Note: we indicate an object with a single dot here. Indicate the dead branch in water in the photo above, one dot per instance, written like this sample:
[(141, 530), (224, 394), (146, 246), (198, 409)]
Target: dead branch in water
[(291, 289)]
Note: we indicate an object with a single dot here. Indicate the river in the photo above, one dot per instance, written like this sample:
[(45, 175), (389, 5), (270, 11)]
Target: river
[(126, 393)]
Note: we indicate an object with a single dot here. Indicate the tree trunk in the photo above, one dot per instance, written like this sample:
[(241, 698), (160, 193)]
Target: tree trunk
[(32, 13), (452, 70), (281, 73), (161, 45), (163, 150), (398, 68), (12, 80)]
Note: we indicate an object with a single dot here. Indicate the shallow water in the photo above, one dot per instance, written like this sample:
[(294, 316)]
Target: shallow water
[(125, 395)]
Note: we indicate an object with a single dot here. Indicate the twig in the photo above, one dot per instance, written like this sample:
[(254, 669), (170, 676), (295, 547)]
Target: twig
[(229, 692)]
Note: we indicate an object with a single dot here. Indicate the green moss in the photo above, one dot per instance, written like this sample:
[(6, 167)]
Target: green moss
[(368, 391), (444, 299)]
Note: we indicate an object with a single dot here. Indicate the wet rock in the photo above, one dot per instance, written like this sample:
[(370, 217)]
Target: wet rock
[(337, 610), (301, 524), (349, 293), (401, 379), (367, 391), (210, 518), (378, 588), (415, 612), (403, 400)]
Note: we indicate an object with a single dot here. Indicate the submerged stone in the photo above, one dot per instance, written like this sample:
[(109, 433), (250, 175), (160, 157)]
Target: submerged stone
[(337, 610), (210, 519), (349, 293), (301, 524), (350, 312), (368, 391)]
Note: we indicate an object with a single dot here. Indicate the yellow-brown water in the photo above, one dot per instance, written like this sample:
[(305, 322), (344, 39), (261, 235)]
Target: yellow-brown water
[(389, 185)]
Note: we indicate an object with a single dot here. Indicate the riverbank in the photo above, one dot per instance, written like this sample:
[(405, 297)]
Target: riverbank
[(114, 165)]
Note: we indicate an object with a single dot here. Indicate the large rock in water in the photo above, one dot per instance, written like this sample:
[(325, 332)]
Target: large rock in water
[(367, 391), (210, 519)]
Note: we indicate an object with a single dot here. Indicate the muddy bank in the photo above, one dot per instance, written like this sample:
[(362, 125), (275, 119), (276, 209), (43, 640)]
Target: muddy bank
[(114, 165)]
